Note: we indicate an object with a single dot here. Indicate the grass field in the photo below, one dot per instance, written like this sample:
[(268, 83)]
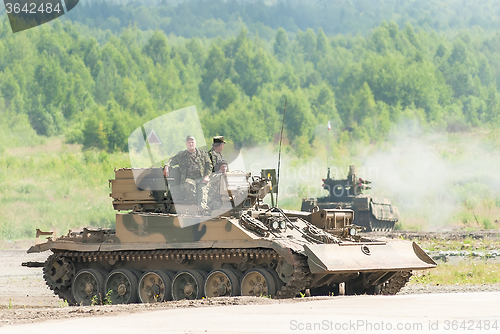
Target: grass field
[(467, 244), (55, 187), (465, 269), (464, 272)]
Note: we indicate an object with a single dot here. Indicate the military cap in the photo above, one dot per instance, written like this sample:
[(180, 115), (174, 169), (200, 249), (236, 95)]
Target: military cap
[(220, 163), (190, 137), (219, 139)]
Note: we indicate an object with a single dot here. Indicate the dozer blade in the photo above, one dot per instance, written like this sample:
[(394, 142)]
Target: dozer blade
[(395, 255)]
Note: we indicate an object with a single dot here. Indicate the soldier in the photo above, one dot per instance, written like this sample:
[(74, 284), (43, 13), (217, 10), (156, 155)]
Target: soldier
[(195, 169), (214, 195), (216, 150)]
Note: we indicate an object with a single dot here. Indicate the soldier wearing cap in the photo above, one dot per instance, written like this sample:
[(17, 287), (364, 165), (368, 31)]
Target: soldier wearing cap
[(195, 169), (215, 152), (214, 195)]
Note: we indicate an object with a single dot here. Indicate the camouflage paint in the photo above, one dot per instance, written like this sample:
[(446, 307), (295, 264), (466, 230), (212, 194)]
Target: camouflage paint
[(147, 228)]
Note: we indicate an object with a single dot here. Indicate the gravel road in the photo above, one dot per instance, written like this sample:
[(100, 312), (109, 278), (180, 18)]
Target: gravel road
[(417, 313), (24, 297)]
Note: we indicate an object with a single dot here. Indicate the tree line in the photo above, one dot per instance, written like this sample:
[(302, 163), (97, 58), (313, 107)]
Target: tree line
[(214, 18), (63, 82)]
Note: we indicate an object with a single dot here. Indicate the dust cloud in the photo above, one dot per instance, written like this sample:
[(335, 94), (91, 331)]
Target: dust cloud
[(431, 177)]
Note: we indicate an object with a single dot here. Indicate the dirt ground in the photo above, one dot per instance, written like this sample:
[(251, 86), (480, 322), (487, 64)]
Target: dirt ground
[(24, 297)]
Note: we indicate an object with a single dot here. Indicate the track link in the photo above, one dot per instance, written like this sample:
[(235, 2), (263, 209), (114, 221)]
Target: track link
[(178, 255), (396, 283), (298, 281)]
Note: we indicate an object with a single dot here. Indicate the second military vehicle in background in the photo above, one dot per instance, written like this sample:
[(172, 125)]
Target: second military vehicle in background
[(375, 214)]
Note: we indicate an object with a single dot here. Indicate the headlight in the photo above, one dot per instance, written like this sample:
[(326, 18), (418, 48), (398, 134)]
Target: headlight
[(283, 224), (352, 231), (276, 225)]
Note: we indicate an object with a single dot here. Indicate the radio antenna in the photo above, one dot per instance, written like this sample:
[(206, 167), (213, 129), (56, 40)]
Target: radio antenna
[(279, 156)]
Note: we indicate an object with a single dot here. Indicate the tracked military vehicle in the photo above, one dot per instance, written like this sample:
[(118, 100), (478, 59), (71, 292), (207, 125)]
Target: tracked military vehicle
[(162, 249), (374, 214)]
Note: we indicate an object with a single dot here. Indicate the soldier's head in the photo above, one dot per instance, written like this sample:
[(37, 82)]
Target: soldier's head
[(190, 143), (218, 143), (221, 166)]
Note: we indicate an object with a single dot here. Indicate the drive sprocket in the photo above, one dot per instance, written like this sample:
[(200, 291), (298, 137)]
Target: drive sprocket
[(58, 272)]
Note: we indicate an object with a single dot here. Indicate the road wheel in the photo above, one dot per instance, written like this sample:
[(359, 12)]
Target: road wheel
[(155, 287), (259, 283), (188, 284), (222, 282), (88, 287), (121, 287)]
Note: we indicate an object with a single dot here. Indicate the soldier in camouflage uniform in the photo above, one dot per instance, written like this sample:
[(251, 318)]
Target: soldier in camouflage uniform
[(195, 169), (215, 152), (214, 195)]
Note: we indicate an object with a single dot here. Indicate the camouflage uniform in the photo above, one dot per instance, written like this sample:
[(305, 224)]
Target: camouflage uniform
[(193, 168), (215, 157), (214, 195)]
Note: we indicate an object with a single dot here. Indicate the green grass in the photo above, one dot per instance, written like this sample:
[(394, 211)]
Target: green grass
[(465, 272), (467, 244), (55, 187), (468, 270), (16, 131)]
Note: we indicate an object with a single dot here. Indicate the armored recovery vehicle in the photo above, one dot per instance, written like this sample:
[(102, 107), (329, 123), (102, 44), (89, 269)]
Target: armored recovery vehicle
[(161, 250), (375, 214)]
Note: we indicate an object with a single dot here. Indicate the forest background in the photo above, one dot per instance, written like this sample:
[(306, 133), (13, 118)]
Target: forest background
[(410, 89)]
